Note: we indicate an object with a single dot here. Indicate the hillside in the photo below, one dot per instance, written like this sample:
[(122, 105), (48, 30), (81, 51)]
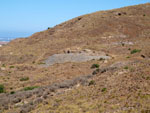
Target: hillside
[(94, 63)]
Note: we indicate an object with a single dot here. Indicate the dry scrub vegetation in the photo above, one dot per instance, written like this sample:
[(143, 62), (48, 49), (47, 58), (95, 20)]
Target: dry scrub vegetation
[(120, 84)]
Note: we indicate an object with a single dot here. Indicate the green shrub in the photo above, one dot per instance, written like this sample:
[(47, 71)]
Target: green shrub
[(1, 88), (135, 51), (95, 66), (3, 65), (24, 79), (101, 59), (30, 88), (12, 67), (104, 89), (126, 67), (12, 92), (128, 57), (92, 82)]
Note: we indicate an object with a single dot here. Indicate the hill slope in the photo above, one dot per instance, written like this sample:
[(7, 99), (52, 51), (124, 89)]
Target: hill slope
[(115, 77), (84, 31)]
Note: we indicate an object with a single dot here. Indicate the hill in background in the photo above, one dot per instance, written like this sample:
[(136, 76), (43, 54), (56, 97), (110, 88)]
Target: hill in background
[(115, 77)]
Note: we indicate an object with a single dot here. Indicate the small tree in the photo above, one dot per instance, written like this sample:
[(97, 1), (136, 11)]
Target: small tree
[(49, 28)]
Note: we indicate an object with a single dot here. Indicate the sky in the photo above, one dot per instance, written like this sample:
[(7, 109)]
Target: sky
[(21, 18)]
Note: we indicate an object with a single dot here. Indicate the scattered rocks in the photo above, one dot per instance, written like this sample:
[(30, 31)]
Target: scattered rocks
[(37, 101), (123, 43), (16, 100), (25, 109)]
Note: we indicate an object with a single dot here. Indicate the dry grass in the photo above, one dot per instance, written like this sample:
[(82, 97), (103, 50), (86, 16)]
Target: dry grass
[(123, 91)]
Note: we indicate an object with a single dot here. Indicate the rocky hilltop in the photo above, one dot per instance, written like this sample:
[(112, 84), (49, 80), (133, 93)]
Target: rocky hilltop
[(98, 62)]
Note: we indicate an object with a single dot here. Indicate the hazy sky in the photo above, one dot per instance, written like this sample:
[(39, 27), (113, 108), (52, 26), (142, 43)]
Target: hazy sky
[(20, 18)]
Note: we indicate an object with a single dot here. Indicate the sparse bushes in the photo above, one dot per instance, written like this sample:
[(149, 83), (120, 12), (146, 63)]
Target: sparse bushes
[(135, 51), (24, 79), (30, 88), (95, 66), (1, 88), (146, 77)]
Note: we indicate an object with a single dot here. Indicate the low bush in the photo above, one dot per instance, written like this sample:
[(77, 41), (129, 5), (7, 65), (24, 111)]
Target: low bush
[(12, 92), (12, 67), (95, 66), (92, 82), (30, 88), (24, 79), (135, 51), (128, 57), (104, 89), (126, 67), (3, 65), (2, 88)]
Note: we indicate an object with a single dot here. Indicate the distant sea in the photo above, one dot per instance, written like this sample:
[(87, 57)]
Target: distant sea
[(8, 36), (6, 39)]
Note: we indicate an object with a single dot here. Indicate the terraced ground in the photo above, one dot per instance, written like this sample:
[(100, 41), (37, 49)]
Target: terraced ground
[(95, 63)]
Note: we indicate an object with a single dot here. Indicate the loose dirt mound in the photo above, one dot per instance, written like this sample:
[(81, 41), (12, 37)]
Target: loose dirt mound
[(73, 57)]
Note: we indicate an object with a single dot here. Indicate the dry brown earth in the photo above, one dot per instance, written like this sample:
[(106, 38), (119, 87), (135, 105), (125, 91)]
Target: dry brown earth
[(120, 84)]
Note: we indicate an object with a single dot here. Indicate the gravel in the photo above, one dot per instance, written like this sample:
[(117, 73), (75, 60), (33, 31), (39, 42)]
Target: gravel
[(72, 57)]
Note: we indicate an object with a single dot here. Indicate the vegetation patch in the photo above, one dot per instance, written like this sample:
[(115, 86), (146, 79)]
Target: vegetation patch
[(30, 88), (126, 67), (49, 28), (135, 51), (128, 57), (95, 66), (12, 67), (3, 65), (92, 82), (24, 79), (2, 88), (104, 89), (12, 92), (40, 63)]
